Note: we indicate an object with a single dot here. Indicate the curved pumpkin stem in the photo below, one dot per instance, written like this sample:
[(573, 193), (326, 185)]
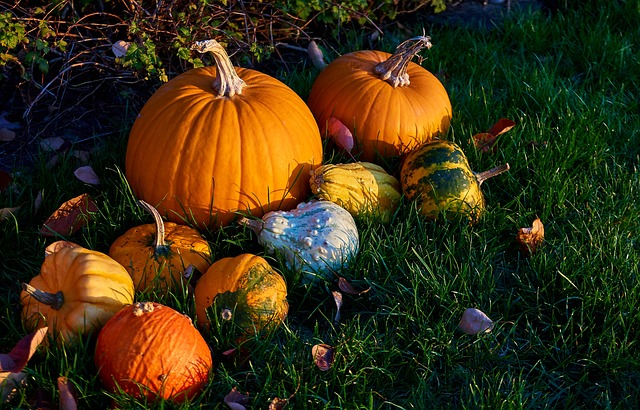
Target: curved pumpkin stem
[(160, 246), (227, 83), (255, 225), (483, 176), (394, 69), (55, 300)]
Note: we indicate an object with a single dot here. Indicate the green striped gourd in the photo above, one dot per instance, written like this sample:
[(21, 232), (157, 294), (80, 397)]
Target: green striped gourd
[(438, 177)]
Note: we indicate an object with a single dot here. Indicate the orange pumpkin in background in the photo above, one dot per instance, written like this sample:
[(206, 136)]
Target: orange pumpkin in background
[(215, 141), (389, 104)]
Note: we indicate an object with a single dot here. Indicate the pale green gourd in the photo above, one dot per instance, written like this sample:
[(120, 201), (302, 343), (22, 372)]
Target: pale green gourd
[(318, 237)]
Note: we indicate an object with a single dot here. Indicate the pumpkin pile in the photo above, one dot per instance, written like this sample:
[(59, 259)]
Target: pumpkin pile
[(221, 144)]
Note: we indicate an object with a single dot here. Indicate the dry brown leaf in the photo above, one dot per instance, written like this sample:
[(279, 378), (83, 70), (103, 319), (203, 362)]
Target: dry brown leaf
[(119, 48), (530, 239), (278, 404), (83, 156), (57, 245), (485, 141), (236, 400), (37, 203), (68, 400), (323, 356), (71, 216), (7, 135), (337, 297), (317, 58), (17, 358), (475, 321), (6, 212), (10, 383), (5, 180), (87, 175), (339, 134), (51, 144), (346, 287)]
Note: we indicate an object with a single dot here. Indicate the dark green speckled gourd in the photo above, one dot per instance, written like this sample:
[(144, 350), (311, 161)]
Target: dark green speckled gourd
[(438, 177)]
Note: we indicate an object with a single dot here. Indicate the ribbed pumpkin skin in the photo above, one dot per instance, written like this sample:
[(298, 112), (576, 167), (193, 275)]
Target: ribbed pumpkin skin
[(384, 120), (437, 175), (213, 156), (150, 350), (94, 288), (135, 251), (245, 289), (362, 188)]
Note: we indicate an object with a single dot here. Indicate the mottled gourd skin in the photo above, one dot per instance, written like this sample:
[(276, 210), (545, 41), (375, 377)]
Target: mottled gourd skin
[(244, 289), (318, 237), (438, 177), (362, 188)]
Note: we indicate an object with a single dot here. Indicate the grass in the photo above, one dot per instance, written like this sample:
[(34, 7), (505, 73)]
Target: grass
[(567, 322)]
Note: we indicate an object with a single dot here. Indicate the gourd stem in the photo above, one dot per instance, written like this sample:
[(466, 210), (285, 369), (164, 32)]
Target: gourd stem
[(227, 82), (483, 176), (160, 244), (55, 300), (394, 69), (255, 225)]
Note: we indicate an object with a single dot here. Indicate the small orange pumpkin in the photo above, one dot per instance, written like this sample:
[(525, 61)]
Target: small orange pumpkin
[(151, 350), (389, 104), (244, 289), (156, 255), (215, 141)]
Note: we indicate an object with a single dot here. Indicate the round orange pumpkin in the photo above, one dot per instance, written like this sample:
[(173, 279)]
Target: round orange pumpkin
[(151, 350), (156, 255), (390, 104), (244, 289), (215, 141)]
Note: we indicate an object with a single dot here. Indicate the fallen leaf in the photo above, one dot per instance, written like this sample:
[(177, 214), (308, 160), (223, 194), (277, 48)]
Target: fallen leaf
[(278, 404), (119, 48), (51, 144), (71, 216), (87, 175), (57, 245), (10, 383), (337, 297), (7, 135), (83, 156), (486, 141), (475, 321), (37, 203), (17, 358), (323, 356), (317, 58), (7, 124), (339, 134), (68, 400), (346, 287), (6, 212), (5, 180), (530, 239), (236, 400)]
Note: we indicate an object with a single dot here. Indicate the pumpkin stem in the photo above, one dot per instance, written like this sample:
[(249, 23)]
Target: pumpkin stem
[(255, 225), (227, 83), (55, 300), (483, 176), (160, 246), (394, 69)]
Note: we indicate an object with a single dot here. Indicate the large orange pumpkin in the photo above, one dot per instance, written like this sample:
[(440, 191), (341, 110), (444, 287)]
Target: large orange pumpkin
[(217, 140), (151, 350), (389, 104)]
